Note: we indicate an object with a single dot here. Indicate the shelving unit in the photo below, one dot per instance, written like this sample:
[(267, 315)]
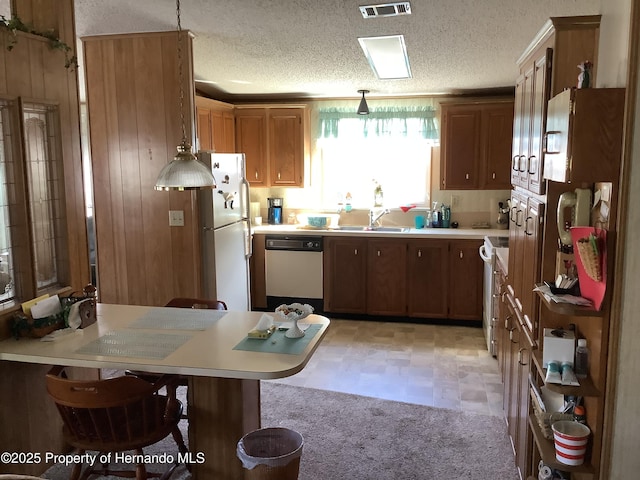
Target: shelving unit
[(569, 309), (548, 451), (586, 388)]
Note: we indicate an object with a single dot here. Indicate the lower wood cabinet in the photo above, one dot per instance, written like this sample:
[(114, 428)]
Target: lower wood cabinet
[(465, 280), (345, 274), (516, 350), (427, 277), (422, 278), (386, 279)]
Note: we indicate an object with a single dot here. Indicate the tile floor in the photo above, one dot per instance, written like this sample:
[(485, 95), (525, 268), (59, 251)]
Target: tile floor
[(435, 365)]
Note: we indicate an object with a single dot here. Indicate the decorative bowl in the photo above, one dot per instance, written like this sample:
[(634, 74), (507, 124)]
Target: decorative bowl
[(292, 313)]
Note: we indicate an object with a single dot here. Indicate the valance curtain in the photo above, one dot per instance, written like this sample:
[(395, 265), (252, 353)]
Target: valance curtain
[(410, 122)]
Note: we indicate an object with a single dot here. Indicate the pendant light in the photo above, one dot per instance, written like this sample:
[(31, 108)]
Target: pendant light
[(363, 108), (185, 171)]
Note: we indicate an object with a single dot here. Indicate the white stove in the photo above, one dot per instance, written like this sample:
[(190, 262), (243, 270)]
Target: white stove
[(489, 316)]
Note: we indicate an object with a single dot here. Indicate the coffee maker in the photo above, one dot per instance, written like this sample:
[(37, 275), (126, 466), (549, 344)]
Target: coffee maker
[(274, 211)]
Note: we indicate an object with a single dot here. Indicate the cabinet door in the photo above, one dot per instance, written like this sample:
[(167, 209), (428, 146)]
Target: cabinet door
[(516, 233), (497, 127), (531, 253), (524, 439), (527, 118), (461, 147), (386, 277), (229, 140), (518, 132), (251, 139), (286, 147), (205, 138), (345, 275), (223, 131), (427, 262), (540, 96), (465, 280)]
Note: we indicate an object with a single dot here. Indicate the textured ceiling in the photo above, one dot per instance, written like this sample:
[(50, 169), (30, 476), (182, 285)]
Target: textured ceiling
[(309, 48)]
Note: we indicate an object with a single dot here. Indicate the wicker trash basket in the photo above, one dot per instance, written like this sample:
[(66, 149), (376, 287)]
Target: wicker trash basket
[(271, 454)]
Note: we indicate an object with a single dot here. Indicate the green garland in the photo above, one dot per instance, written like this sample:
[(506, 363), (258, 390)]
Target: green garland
[(15, 24)]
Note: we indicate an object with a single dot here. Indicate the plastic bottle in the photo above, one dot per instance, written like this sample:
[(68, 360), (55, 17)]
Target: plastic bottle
[(579, 414), (582, 359)]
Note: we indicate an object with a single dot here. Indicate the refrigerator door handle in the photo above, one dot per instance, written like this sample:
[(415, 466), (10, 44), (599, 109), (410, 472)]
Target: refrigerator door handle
[(246, 203)]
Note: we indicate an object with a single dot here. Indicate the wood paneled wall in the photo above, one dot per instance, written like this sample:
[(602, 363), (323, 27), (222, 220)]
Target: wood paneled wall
[(34, 71), (134, 115)]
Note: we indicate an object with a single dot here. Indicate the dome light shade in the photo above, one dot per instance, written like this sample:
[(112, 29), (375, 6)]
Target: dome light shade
[(185, 172)]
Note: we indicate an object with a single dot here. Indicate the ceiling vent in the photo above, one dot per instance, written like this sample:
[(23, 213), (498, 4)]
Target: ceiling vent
[(386, 10)]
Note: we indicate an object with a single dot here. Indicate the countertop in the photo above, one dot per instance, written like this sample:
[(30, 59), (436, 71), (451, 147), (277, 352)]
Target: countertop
[(449, 233)]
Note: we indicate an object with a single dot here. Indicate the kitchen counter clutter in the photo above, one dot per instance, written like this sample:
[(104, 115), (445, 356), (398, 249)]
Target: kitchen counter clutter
[(387, 231)]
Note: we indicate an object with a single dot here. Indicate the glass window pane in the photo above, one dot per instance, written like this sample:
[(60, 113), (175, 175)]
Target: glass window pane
[(6, 193), (44, 173)]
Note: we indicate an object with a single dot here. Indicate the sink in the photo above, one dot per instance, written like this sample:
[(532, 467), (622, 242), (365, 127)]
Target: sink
[(356, 228), (387, 229)]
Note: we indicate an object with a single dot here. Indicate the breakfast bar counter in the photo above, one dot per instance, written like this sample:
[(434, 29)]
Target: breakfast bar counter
[(224, 378)]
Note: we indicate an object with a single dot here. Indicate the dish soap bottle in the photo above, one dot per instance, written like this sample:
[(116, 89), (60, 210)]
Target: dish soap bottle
[(377, 195)]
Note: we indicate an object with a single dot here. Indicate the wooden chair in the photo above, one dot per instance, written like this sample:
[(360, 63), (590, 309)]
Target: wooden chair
[(182, 302), (116, 415)]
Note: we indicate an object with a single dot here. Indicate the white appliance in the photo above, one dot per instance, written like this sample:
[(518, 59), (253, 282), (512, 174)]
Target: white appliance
[(293, 270), (226, 231), (489, 315)]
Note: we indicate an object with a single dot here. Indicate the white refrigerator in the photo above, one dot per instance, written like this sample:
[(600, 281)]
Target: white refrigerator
[(226, 231)]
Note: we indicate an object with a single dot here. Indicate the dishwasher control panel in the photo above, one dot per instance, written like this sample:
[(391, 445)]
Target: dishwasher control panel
[(294, 243)]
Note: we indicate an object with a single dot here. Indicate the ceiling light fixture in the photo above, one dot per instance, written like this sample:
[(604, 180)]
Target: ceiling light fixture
[(184, 172), (387, 56), (363, 108)]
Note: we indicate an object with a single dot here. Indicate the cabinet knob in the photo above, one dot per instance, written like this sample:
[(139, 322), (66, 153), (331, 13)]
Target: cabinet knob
[(419, 253), (461, 254), (466, 176), (493, 175), (278, 175), (355, 251), (378, 252), (256, 174)]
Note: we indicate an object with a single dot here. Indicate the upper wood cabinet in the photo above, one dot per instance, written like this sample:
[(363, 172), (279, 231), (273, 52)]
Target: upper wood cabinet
[(251, 139), (547, 67), (476, 145), (275, 142), (216, 125)]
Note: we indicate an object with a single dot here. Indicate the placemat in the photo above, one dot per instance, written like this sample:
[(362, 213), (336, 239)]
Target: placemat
[(178, 318), (127, 343), (278, 343)]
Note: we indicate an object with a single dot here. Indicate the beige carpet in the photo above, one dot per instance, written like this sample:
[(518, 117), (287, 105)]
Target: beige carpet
[(354, 437)]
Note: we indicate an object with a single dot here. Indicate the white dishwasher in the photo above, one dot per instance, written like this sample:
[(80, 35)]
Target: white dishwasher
[(293, 270)]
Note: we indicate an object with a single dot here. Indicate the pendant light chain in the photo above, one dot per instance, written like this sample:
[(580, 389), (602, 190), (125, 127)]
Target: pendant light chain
[(180, 74)]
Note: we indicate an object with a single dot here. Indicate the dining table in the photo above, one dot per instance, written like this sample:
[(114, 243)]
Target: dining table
[(212, 348)]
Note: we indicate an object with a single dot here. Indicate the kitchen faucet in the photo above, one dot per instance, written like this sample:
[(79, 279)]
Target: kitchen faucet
[(374, 217)]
